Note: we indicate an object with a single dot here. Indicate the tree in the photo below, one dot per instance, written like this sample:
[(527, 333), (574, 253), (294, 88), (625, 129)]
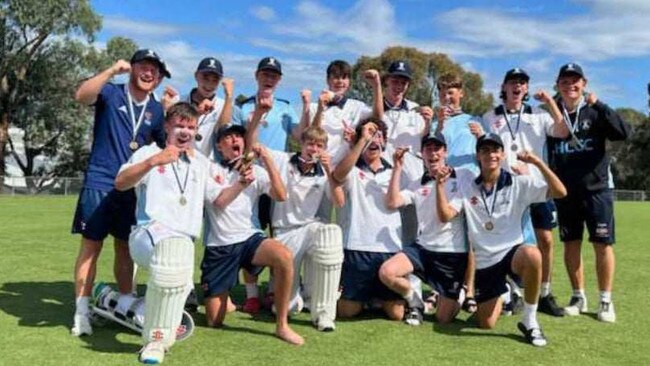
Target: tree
[(630, 163), (427, 67), (42, 59)]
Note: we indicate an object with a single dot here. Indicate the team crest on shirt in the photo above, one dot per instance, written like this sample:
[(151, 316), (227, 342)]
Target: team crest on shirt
[(219, 179), (499, 123), (157, 335), (586, 124), (473, 200), (425, 191), (361, 175), (161, 169), (147, 118)]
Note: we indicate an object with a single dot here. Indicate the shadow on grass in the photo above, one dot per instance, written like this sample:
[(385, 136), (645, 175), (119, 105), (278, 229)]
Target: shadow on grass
[(51, 304), (469, 328)]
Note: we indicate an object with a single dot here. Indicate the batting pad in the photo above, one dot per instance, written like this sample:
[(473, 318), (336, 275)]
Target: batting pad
[(171, 272), (327, 257)]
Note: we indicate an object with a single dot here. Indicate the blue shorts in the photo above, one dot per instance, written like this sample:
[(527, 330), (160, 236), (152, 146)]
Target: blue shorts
[(544, 215), (444, 272), (593, 208), (221, 264), (100, 213), (490, 282), (360, 277)]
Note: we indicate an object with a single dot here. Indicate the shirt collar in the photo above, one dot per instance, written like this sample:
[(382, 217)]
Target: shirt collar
[(224, 163), (339, 103), (402, 106), (501, 109), (505, 180), (316, 169), (361, 164), (426, 178)]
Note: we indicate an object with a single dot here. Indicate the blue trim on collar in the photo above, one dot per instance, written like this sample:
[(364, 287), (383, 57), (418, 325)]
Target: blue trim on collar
[(316, 170), (505, 180), (339, 103), (401, 106), (500, 110), (426, 178), (361, 164)]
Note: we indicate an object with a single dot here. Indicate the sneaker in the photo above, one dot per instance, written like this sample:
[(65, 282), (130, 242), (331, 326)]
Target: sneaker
[(548, 306), (413, 317), (606, 312), (430, 303), (153, 353), (577, 305), (325, 325), (533, 336), (252, 305), (507, 309), (81, 326), (192, 302)]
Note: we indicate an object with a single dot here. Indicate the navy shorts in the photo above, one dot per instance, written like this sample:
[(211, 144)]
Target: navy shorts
[(360, 277), (544, 215), (221, 264), (100, 213), (490, 282), (594, 208), (444, 272)]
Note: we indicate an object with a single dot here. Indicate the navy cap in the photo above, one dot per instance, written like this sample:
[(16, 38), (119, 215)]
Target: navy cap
[(571, 68), (147, 54), (400, 68), (230, 129), (210, 64), (270, 64), (516, 73), (436, 138), (489, 138)]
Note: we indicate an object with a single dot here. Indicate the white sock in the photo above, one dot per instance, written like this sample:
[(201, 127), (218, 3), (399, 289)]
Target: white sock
[(545, 289), (529, 317), (507, 298), (606, 296), (124, 302), (252, 290), (579, 293), (413, 300), (81, 305)]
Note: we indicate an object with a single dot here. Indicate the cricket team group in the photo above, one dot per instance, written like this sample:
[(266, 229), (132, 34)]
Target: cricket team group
[(375, 201)]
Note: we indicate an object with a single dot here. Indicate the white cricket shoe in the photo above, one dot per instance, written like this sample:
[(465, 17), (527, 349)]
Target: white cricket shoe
[(606, 312), (577, 305), (325, 325), (81, 326), (153, 353)]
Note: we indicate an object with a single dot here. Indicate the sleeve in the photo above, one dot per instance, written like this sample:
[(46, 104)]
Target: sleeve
[(486, 122), (158, 132), (280, 159), (351, 179), (212, 189), (408, 195), (139, 156), (615, 128), (262, 181), (104, 94), (546, 121), (533, 189)]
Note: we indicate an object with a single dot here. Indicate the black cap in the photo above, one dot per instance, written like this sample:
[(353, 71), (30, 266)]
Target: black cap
[(571, 68), (516, 73), (147, 54), (489, 138), (270, 64), (210, 64), (436, 138), (400, 68), (230, 129)]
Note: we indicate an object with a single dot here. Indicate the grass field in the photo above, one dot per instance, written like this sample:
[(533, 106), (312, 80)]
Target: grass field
[(36, 307)]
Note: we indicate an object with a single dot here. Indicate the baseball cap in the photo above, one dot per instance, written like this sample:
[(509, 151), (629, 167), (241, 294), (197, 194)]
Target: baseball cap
[(436, 138), (489, 138), (148, 54), (516, 73), (571, 68), (400, 68), (210, 64), (270, 64), (230, 129)]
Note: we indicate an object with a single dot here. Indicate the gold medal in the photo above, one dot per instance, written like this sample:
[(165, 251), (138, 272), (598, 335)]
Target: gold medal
[(183, 201), (133, 145)]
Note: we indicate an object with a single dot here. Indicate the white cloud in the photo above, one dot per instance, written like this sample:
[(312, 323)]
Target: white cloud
[(138, 28), (263, 13)]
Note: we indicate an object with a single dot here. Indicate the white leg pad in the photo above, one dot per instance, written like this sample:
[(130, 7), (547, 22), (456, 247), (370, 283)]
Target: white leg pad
[(327, 258), (171, 268)]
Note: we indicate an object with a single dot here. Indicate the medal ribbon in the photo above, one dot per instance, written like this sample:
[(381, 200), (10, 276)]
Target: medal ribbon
[(494, 200), (505, 114), (136, 124), (567, 120), (178, 181)]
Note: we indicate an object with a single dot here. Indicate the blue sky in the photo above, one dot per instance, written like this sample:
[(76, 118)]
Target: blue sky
[(609, 38)]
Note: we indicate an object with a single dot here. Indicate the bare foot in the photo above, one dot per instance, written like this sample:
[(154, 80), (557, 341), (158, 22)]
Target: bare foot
[(230, 307), (288, 335)]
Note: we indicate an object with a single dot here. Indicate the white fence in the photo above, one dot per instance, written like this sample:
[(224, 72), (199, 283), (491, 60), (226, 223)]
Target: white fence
[(72, 186)]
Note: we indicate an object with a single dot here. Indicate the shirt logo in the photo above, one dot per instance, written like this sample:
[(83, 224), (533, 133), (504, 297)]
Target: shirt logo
[(219, 179), (473, 201), (361, 175), (425, 191), (123, 109), (586, 124), (161, 169), (157, 335), (498, 123)]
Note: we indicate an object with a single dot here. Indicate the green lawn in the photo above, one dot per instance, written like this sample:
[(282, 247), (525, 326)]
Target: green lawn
[(36, 306)]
